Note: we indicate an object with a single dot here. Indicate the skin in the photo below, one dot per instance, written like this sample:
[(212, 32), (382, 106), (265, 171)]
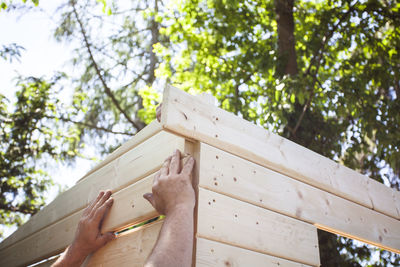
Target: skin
[(158, 112), (172, 195), (88, 237)]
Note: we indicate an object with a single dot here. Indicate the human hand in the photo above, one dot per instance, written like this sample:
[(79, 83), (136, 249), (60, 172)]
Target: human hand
[(88, 237), (172, 186), (158, 112)]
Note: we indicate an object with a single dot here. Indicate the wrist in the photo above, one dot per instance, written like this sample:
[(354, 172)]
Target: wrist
[(183, 208), (74, 256)]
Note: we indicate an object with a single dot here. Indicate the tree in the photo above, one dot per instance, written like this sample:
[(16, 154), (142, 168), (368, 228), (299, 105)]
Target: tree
[(116, 62), (111, 66), (29, 138), (323, 74)]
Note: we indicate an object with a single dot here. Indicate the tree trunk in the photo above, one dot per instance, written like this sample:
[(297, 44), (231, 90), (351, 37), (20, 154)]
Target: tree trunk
[(287, 65), (286, 42)]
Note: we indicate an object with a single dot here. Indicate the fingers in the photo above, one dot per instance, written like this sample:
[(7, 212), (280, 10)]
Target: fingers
[(106, 237), (100, 202), (102, 211), (174, 166), (188, 167), (165, 167), (158, 112), (149, 197), (91, 204)]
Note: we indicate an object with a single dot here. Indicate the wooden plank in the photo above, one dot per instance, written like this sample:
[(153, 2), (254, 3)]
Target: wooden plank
[(227, 220), (131, 249), (215, 254), (46, 263), (129, 208), (231, 175), (193, 118), (144, 134), (45, 243), (127, 169)]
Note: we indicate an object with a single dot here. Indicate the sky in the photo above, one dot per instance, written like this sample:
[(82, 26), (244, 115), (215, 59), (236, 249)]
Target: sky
[(41, 57)]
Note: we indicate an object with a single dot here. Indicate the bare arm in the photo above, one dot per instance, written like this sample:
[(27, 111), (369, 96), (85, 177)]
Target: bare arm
[(88, 237), (173, 196)]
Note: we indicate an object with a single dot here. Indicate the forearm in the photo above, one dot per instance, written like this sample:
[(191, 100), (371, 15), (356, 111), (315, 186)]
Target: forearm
[(174, 246), (69, 258)]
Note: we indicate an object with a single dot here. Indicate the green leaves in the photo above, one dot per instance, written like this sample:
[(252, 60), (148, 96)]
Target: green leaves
[(344, 101), (30, 137), (5, 4)]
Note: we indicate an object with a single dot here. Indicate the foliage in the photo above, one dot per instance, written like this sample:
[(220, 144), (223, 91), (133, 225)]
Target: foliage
[(342, 103), (29, 138), (11, 51), (115, 62), (7, 4)]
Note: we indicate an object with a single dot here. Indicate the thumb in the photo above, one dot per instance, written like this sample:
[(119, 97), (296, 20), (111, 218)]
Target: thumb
[(149, 197), (107, 237)]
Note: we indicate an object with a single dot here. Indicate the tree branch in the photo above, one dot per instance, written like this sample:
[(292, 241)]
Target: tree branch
[(92, 126), (98, 72), (317, 60), (328, 35), (20, 209)]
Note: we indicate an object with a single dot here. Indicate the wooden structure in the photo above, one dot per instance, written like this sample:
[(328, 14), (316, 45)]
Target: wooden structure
[(260, 197)]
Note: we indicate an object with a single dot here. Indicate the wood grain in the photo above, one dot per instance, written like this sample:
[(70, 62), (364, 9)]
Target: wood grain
[(216, 254), (129, 250), (129, 208), (230, 221), (233, 176), (195, 119), (132, 166)]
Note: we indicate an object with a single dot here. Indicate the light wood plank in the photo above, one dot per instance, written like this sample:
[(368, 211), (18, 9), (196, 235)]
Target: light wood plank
[(193, 118), (129, 208), (231, 175), (215, 254), (45, 243), (127, 169), (130, 249), (235, 222), (144, 134), (46, 263)]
